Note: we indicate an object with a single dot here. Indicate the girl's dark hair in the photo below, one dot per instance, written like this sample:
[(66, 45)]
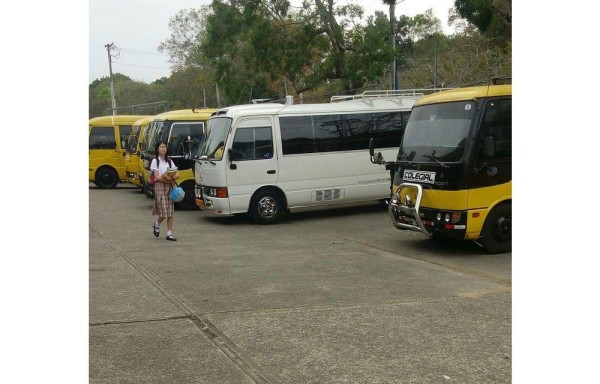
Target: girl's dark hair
[(166, 154)]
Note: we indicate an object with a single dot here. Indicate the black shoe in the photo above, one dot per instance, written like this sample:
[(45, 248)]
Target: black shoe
[(156, 230), (170, 237)]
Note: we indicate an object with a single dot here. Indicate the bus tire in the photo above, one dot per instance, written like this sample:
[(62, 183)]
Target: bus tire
[(149, 191), (142, 185), (189, 201), (497, 230), (267, 207), (106, 178)]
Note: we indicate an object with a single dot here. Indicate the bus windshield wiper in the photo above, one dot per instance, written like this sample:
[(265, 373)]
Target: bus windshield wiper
[(437, 160), (404, 157), (206, 158)]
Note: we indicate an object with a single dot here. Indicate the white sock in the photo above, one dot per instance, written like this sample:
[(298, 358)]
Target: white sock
[(157, 224), (168, 233)]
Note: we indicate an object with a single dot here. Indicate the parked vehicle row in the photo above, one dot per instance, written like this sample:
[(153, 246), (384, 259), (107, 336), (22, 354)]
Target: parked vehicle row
[(451, 177), (108, 137), (122, 147)]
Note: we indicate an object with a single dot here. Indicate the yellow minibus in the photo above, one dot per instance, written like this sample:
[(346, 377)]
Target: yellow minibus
[(453, 173), (107, 148), (182, 130)]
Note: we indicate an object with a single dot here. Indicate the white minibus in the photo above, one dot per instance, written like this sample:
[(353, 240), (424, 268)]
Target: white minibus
[(270, 159)]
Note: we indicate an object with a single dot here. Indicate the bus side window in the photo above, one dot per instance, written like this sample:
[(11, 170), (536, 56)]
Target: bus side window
[(497, 124), (103, 138), (254, 143), (124, 131)]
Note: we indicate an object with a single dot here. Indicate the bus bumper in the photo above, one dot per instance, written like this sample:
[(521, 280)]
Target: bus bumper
[(406, 213), (219, 206)]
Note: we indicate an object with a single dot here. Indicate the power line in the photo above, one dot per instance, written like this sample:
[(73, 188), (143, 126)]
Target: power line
[(138, 51), (140, 66)]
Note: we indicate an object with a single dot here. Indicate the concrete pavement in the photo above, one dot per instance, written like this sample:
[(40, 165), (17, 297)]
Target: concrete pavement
[(325, 297)]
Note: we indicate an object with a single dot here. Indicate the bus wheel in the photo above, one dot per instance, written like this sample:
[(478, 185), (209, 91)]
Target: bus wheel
[(106, 178), (149, 191), (267, 207), (143, 185), (497, 230)]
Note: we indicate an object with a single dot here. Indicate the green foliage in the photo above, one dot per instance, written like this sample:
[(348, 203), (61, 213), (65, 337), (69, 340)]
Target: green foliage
[(187, 29), (461, 59), (493, 18)]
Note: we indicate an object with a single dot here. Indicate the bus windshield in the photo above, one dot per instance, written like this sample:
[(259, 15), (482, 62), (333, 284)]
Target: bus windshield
[(214, 143), (437, 132)]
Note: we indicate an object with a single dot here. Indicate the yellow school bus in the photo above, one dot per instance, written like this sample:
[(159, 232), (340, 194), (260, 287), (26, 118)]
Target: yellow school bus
[(107, 148), (453, 173), (132, 158), (183, 131)]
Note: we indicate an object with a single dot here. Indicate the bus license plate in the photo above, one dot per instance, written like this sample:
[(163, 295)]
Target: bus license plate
[(419, 176)]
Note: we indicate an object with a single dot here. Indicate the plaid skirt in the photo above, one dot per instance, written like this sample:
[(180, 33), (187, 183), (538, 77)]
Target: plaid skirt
[(163, 205)]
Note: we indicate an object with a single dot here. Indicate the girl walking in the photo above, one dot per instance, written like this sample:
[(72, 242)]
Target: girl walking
[(163, 205)]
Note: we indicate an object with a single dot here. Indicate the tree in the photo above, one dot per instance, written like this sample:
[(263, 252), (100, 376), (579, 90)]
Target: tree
[(492, 18), (256, 44), (187, 29)]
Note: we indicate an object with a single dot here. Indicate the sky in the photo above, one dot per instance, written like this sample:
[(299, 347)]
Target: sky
[(137, 27)]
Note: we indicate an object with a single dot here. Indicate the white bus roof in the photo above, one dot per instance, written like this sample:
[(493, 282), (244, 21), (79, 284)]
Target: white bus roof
[(346, 106)]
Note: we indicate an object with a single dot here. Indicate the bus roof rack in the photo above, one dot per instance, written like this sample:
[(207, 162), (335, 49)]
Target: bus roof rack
[(387, 94)]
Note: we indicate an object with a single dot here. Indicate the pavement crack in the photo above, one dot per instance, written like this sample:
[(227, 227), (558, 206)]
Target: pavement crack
[(134, 321), (227, 346)]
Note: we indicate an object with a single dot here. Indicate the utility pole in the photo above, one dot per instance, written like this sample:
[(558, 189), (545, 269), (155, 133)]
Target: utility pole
[(112, 86), (393, 23), (218, 97), (393, 69)]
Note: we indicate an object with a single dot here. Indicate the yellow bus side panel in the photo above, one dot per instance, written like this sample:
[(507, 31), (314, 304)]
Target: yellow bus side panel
[(100, 157), (185, 175), (481, 202), (133, 166), (143, 169)]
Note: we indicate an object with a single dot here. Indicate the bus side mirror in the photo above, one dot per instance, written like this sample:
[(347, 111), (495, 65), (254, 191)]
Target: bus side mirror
[(488, 146), (376, 158)]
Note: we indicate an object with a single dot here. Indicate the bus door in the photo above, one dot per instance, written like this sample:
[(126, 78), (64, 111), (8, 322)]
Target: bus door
[(492, 170), (254, 163)]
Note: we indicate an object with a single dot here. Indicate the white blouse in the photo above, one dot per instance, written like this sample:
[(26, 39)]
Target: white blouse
[(162, 167)]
